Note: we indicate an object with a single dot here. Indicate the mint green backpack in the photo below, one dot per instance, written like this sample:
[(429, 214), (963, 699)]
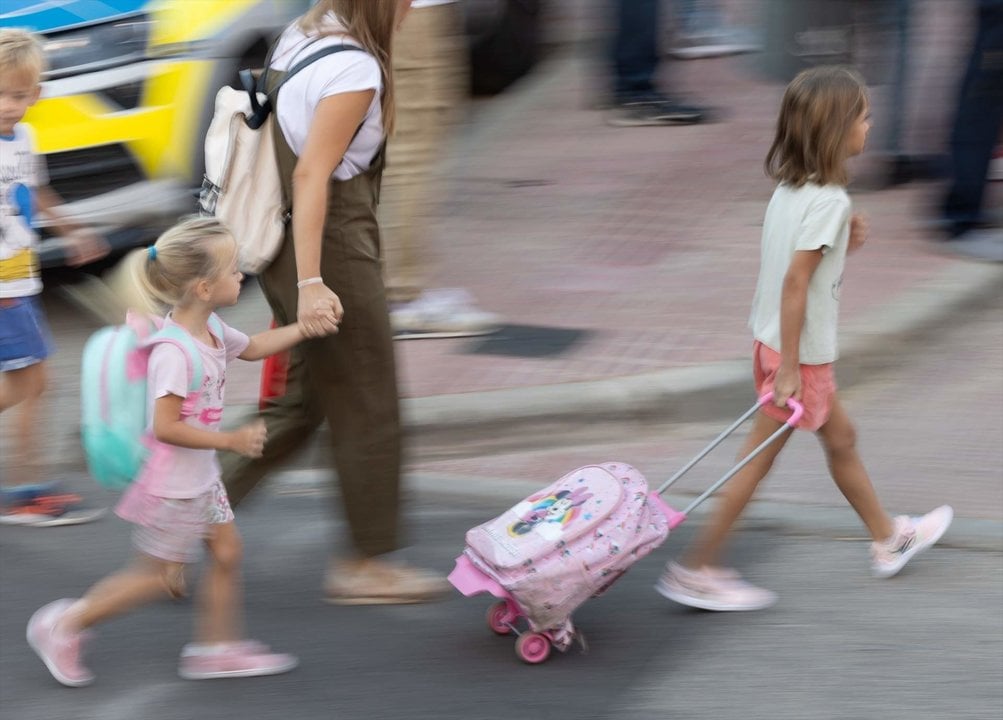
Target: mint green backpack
[(113, 393)]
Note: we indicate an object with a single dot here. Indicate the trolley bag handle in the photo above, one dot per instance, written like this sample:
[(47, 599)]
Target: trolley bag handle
[(797, 410)]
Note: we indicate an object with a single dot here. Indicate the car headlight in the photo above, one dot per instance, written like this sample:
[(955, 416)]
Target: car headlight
[(96, 47)]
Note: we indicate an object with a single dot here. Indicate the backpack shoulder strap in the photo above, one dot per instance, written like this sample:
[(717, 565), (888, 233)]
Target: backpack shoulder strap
[(216, 326), (177, 337), (314, 57), (253, 85)]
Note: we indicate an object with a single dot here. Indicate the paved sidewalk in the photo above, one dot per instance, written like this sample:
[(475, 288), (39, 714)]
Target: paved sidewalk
[(638, 249)]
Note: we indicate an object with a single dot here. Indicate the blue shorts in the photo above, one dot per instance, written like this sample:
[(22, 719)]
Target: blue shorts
[(25, 339)]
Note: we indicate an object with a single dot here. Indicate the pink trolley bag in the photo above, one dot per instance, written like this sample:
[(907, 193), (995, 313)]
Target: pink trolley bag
[(572, 540)]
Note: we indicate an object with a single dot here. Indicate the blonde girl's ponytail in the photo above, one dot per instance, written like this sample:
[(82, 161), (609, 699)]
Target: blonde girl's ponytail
[(132, 287), (155, 278)]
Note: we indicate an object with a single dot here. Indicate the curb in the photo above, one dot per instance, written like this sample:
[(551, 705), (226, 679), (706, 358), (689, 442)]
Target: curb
[(700, 393), (498, 420)]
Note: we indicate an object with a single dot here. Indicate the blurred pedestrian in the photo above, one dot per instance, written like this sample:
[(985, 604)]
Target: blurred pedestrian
[(808, 229), (431, 81), (977, 127), (25, 341), (635, 62), (177, 501), (332, 120)]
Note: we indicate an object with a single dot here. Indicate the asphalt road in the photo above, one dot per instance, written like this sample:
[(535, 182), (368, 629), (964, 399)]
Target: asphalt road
[(839, 645), (927, 644)]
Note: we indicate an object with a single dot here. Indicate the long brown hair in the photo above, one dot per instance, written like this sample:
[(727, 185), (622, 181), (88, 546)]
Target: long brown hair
[(819, 107), (372, 23)]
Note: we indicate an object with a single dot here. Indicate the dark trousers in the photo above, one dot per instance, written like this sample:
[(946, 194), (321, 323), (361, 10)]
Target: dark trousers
[(348, 380), (978, 121), (635, 49)]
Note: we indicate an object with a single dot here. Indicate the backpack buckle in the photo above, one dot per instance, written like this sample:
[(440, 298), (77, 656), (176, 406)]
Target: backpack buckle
[(259, 110)]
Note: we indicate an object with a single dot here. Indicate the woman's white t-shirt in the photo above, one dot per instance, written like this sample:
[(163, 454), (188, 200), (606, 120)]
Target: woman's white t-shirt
[(342, 72)]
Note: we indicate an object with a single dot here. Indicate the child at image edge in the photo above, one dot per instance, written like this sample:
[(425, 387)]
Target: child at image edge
[(807, 232), (178, 501), (25, 341)]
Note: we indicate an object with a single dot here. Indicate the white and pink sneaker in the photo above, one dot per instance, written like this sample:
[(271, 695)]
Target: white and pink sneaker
[(912, 535), (60, 651), (717, 589), (245, 658)]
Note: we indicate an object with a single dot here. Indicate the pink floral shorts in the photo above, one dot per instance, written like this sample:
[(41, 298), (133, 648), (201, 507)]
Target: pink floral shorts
[(173, 529)]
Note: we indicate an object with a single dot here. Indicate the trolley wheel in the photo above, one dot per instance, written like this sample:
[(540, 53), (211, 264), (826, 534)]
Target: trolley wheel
[(532, 648), (497, 618)]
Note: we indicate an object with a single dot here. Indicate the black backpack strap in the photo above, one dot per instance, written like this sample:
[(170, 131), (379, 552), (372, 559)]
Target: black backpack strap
[(252, 85)]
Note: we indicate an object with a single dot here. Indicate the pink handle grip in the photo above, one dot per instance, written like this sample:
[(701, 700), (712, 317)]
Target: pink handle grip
[(797, 409)]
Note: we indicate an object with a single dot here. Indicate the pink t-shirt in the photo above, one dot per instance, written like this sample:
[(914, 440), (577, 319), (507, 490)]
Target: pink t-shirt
[(177, 472)]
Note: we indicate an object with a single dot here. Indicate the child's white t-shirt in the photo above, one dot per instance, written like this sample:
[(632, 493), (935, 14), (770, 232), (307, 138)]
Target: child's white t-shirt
[(342, 72), (190, 472), (21, 172), (804, 218)]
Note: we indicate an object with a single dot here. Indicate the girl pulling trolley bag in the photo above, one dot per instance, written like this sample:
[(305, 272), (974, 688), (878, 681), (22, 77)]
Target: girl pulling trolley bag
[(571, 540)]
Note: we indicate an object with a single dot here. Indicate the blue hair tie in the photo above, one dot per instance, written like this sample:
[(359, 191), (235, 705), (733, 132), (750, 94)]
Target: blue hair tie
[(152, 252)]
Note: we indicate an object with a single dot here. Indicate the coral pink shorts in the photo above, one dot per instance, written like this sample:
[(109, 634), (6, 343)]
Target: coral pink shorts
[(818, 387)]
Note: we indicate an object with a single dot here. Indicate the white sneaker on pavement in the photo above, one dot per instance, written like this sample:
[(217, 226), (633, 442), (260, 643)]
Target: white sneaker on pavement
[(442, 313), (912, 536)]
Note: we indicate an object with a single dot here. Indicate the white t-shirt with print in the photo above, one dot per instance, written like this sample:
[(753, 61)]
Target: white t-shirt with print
[(190, 472), (342, 72), (22, 170), (805, 218)]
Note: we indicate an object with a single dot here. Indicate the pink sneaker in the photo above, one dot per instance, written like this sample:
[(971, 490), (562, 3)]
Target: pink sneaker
[(912, 535), (59, 651), (715, 589), (247, 658), (252, 647)]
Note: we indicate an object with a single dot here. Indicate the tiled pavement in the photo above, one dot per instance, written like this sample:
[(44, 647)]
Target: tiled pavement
[(644, 239)]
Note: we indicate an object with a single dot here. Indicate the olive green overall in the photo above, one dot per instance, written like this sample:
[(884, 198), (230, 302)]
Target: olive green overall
[(348, 379)]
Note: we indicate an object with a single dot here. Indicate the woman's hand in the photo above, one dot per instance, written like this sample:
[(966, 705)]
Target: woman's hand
[(319, 311)]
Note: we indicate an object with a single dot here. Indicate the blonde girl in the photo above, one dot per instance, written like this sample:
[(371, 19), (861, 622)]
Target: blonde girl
[(332, 120), (177, 503), (808, 229)]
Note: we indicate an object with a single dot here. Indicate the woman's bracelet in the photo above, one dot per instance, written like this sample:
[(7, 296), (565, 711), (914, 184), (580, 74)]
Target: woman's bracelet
[(309, 281)]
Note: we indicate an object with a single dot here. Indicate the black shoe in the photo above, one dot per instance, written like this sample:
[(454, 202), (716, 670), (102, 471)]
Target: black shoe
[(655, 111)]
